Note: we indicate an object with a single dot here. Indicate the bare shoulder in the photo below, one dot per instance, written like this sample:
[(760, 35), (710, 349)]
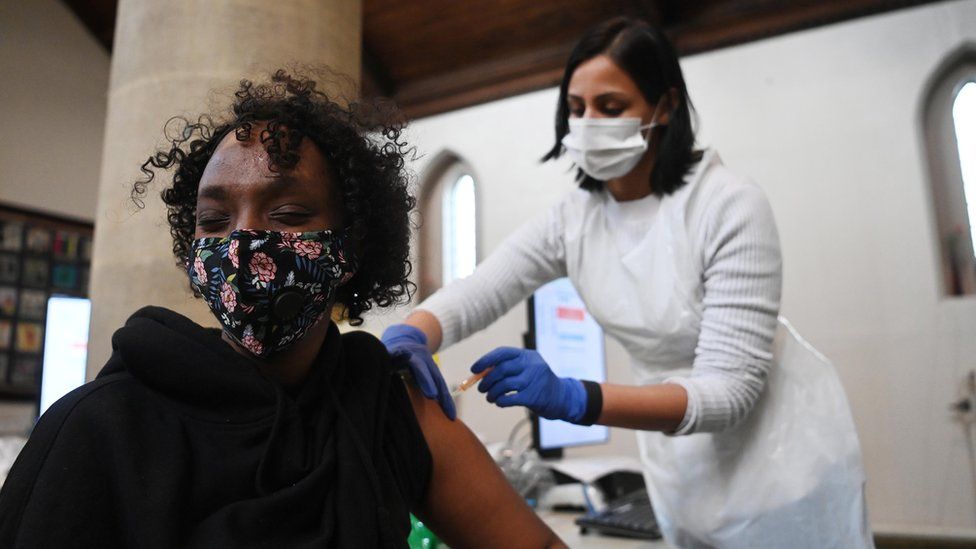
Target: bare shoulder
[(469, 503)]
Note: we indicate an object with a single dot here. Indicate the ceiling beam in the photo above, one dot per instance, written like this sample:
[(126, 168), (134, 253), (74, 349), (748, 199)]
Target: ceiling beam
[(376, 79), (694, 26), (702, 26), (715, 24), (530, 71)]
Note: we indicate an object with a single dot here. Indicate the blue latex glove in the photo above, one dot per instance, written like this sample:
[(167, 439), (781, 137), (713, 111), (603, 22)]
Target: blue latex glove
[(532, 384), (409, 344)]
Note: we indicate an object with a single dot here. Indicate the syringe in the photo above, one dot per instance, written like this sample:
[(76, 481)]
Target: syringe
[(459, 388)]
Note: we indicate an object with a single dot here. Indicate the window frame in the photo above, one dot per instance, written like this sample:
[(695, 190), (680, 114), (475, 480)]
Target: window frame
[(438, 179), (955, 259)]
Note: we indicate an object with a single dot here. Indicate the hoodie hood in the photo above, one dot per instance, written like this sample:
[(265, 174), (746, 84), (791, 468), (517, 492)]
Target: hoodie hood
[(196, 369)]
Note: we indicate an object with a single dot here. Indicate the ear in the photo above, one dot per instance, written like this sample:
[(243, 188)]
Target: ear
[(669, 102)]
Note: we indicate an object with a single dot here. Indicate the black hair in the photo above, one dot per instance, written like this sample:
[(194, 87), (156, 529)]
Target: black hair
[(648, 57), (362, 145)]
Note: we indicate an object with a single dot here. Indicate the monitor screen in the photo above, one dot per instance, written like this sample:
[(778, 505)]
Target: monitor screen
[(571, 342), (65, 348)]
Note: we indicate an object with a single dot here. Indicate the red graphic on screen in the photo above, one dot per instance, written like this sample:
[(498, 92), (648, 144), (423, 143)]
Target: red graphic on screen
[(570, 313)]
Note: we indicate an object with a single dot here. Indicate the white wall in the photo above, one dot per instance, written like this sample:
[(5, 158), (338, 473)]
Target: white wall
[(52, 102), (826, 121), (55, 77)]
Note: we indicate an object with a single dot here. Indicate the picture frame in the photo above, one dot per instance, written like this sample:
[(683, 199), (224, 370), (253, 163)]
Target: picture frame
[(41, 255), (33, 304), (11, 236), (8, 301)]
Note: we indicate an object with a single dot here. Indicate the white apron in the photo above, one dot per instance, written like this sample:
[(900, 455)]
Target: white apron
[(790, 474)]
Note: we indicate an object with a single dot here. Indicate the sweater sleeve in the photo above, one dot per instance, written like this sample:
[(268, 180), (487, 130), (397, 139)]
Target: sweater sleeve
[(742, 284), (531, 256)]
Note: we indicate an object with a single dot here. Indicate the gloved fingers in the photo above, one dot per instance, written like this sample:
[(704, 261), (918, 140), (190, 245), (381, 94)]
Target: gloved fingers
[(444, 397), (428, 378), (513, 399), (422, 375), (507, 385), (505, 370), (398, 333), (493, 358)]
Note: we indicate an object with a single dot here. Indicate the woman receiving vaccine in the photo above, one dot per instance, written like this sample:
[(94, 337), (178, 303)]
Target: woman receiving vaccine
[(745, 443)]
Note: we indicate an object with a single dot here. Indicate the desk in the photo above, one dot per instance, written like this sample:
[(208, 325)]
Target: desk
[(565, 528)]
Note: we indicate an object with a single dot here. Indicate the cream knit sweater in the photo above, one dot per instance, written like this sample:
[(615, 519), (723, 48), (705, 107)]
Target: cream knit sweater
[(733, 237)]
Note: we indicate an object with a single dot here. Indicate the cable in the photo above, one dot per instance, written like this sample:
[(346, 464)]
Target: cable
[(590, 508), (965, 410), (971, 446), (522, 466), (515, 429)]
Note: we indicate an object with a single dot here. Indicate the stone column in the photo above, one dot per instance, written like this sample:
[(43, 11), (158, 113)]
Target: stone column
[(168, 57)]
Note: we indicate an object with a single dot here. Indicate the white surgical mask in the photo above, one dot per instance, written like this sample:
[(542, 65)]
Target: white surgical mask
[(605, 148)]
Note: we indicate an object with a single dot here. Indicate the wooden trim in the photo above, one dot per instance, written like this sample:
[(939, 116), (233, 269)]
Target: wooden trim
[(14, 393), (483, 82), (436, 104), (917, 541), (23, 213), (695, 27), (726, 29), (731, 24)]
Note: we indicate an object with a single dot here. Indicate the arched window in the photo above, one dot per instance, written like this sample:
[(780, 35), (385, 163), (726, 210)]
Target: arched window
[(964, 122), (448, 240), (949, 130), (459, 248)]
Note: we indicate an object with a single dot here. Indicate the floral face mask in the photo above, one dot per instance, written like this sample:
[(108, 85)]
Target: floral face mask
[(267, 288)]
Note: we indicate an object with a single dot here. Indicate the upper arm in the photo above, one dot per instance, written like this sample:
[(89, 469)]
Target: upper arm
[(742, 280), (468, 502), (742, 276), (531, 256)]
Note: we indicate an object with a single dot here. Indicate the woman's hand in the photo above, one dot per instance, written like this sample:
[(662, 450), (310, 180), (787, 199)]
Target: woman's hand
[(522, 378), (409, 344)]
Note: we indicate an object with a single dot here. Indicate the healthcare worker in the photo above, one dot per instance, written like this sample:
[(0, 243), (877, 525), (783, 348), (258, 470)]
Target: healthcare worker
[(744, 430)]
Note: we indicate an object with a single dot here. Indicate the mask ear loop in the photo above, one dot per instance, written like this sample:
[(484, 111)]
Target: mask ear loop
[(653, 123)]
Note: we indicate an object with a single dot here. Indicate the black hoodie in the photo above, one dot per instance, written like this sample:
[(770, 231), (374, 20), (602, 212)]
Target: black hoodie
[(181, 442)]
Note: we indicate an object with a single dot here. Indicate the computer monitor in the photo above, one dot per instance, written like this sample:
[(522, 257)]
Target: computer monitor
[(65, 348), (571, 342)]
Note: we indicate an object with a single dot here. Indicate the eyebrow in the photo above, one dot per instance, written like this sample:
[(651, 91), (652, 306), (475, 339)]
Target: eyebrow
[(605, 95), (221, 192), (214, 192)]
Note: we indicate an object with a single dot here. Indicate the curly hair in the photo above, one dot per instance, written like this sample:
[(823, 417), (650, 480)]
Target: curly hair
[(363, 146)]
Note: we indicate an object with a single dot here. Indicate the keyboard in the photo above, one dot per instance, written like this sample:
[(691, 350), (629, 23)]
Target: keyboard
[(629, 516)]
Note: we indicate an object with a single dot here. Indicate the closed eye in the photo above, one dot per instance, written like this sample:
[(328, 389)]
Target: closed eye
[(291, 216), (211, 222)]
